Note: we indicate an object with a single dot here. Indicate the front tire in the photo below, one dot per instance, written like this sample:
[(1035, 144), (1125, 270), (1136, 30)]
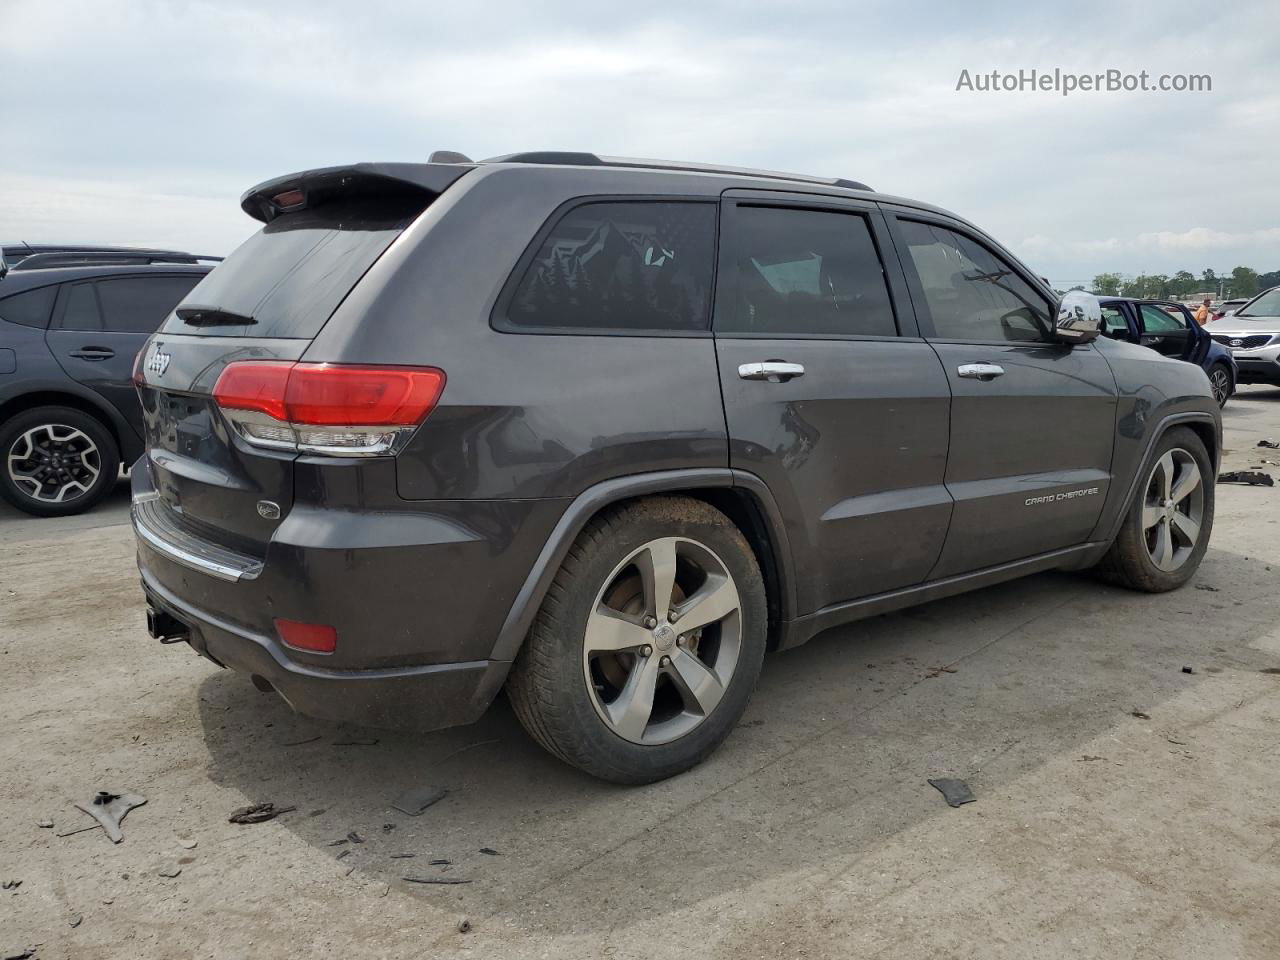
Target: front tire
[(56, 461), (1166, 531), (648, 645)]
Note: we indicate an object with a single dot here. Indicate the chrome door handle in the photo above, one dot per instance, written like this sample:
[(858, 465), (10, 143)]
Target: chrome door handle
[(980, 371), (774, 371)]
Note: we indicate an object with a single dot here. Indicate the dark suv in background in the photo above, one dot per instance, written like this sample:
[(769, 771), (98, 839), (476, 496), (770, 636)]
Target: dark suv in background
[(603, 431), (69, 414)]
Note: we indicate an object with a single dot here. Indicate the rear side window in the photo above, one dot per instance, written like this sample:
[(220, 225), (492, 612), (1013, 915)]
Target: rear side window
[(629, 266), (140, 304), (81, 311), (30, 308), (792, 272), (292, 274), (971, 293)]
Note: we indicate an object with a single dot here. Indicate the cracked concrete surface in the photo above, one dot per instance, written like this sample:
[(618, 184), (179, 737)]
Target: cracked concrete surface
[(812, 833)]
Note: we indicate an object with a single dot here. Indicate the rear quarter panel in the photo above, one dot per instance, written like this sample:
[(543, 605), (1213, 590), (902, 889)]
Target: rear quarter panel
[(523, 415)]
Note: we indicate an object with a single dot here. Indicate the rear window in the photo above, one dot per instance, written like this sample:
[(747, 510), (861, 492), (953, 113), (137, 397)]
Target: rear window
[(291, 275), (636, 266), (30, 308)]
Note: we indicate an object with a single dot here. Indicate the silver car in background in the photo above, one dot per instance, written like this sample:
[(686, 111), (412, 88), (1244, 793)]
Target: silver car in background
[(1253, 334)]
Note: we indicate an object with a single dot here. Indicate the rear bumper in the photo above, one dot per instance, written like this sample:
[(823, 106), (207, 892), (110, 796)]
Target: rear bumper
[(417, 596), (419, 698)]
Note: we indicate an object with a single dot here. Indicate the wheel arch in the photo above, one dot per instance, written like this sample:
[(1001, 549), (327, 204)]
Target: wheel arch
[(742, 497), (1205, 425), (76, 401)]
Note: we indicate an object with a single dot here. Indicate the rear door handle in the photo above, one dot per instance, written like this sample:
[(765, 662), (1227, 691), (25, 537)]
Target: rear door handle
[(774, 371), (980, 371), (93, 353)]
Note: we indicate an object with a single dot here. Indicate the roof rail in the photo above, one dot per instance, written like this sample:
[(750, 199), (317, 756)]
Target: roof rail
[(96, 258), (569, 158)]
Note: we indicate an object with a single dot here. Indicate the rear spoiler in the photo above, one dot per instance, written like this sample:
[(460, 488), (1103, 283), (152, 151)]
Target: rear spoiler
[(297, 191)]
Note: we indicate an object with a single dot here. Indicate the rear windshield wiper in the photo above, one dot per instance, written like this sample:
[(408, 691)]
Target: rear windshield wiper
[(212, 317)]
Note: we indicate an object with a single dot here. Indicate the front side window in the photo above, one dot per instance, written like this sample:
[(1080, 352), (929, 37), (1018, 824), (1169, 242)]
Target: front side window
[(633, 266), (794, 272), (971, 293), (1162, 320)]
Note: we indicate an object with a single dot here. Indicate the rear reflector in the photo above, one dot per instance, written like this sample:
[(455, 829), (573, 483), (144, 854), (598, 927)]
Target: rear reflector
[(326, 408), (311, 637)]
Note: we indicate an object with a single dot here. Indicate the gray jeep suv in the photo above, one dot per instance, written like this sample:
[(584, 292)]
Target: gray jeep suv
[(603, 431)]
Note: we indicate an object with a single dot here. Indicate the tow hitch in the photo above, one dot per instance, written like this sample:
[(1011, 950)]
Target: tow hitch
[(165, 628)]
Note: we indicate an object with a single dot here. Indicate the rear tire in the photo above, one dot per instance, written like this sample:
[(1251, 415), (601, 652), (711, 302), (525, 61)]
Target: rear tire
[(1221, 383), (1166, 530), (56, 461), (623, 684)]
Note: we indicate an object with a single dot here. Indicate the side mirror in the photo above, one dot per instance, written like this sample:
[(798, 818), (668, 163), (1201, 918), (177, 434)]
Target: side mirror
[(1079, 318)]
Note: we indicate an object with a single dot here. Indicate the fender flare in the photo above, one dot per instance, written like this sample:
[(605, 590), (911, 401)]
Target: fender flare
[(601, 495), (1113, 529)]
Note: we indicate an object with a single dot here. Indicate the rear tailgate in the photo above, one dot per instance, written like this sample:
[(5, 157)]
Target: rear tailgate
[(266, 302)]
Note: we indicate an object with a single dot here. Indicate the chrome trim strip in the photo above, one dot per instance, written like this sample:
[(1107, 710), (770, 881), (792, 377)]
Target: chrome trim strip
[(231, 568)]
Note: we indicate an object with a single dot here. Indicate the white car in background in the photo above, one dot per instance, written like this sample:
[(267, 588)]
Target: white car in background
[(1253, 334)]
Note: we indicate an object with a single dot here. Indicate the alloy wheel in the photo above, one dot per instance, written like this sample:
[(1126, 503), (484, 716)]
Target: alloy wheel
[(1220, 382), (1173, 509), (54, 463), (662, 641)]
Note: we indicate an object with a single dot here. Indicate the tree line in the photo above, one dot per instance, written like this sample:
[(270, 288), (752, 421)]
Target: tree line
[(1242, 282)]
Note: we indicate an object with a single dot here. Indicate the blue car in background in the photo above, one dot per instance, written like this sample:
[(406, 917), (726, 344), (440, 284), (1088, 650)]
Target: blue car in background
[(1169, 328)]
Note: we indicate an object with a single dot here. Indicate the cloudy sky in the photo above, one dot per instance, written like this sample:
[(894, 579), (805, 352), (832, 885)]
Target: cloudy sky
[(140, 121)]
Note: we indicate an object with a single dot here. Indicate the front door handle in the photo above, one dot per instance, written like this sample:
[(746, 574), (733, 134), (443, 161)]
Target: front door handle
[(980, 371), (93, 353), (774, 371)]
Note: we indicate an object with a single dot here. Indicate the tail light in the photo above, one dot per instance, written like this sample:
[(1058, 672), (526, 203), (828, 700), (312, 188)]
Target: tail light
[(351, 411)]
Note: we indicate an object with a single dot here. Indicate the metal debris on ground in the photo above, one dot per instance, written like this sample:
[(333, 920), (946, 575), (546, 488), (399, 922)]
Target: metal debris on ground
[(414, 802), (955, 792), (355, 837), (109, 809), (1254, 478), (445, 881), (1141, 715), (1269, 443), (258, 813)]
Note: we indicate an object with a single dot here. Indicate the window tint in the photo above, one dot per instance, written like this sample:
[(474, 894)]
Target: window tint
[(1114, 323), (291, 275), (1159, 320), (81, 312), (971, 293), (787, 271), (30, 308), (625, 266), (140, 304)]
